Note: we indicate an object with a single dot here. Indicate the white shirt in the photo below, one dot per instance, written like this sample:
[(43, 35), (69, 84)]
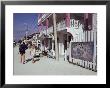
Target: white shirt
[(33, 51)]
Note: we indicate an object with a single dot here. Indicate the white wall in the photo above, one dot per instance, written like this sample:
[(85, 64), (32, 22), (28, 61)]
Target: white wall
[(85, 36), (77, 33), (60, 44)]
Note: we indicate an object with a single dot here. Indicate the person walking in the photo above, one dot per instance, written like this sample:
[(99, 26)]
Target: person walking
[(22, 49), (28, 53), (32, 53)]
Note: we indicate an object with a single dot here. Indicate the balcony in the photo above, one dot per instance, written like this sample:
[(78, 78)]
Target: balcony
[(74, 23), (42, 32), (61, 25), (50, 30)]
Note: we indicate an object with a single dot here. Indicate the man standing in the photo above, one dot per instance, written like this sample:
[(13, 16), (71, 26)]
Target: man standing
[(22, 49)]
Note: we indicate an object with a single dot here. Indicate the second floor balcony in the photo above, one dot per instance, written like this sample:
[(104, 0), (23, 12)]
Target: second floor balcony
[(62, 26)]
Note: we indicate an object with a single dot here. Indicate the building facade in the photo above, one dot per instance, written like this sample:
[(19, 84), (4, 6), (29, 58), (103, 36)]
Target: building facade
[(76, 32)]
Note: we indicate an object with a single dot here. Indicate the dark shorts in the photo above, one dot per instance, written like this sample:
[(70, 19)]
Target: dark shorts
[(22, 53)]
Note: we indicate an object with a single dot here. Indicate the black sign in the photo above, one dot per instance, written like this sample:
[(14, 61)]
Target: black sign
[(82, 50)]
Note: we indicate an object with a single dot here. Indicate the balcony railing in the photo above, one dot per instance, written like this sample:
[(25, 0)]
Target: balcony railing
[(61, 25), (50, 30), (43, 32), (74, 23)]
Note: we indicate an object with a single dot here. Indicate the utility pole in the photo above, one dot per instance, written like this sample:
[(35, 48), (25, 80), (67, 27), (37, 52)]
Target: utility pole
[(26, 30), (55, 35)]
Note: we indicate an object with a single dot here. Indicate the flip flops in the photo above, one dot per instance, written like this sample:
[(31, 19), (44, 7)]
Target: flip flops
[(24, 62)]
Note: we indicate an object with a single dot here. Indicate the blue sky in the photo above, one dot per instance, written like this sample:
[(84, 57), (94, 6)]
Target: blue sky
[(19, 24)]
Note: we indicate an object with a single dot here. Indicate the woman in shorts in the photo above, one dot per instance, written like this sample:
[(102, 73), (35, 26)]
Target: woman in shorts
[(22, 49)]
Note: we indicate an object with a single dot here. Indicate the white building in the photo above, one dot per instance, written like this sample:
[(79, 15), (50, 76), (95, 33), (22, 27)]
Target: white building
[(71, 28)]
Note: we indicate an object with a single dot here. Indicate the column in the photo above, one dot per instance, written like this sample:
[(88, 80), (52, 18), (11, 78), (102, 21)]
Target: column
[(55, 35), (47, 23), (52, 42), (62, 48), (52, 45), (95, 36), (67, 19), (59, 48), (94, 29)]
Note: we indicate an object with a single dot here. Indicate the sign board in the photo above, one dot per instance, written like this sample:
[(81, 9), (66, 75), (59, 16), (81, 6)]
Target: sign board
[(82, 50)]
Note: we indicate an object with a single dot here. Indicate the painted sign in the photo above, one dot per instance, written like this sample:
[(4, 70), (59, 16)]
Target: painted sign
[(75, 23), (82, 50)]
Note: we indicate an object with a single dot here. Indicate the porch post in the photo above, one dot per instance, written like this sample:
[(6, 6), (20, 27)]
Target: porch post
[(67, 19), (55, 34), (47, 23), (94, 23)]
